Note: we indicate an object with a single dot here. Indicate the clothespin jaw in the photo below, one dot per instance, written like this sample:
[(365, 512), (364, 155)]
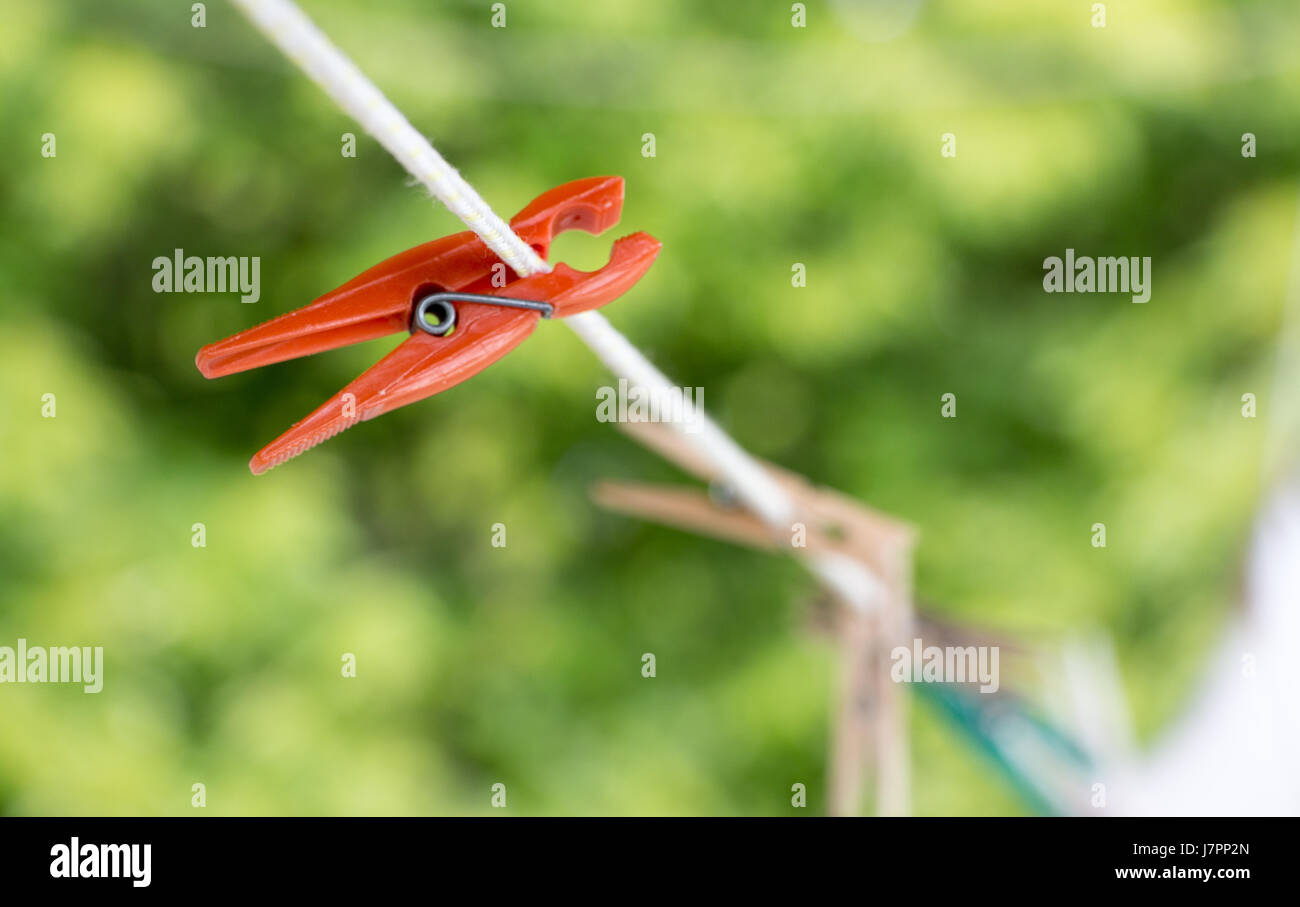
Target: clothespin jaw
[(463, 336)]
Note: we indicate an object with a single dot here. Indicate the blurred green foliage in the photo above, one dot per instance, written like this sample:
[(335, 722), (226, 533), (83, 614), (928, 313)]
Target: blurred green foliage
[(775, 145)]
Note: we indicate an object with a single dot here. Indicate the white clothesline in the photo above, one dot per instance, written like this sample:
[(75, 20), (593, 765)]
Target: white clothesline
[(285, 25)]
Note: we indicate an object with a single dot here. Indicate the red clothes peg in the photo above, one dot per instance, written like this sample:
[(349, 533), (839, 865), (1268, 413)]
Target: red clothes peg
[(443, 292)]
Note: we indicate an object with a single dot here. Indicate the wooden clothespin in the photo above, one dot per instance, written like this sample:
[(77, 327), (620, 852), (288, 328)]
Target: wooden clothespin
[(871, 723)]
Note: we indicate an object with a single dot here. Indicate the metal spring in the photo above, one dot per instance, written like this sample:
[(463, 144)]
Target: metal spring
[(446, 312)]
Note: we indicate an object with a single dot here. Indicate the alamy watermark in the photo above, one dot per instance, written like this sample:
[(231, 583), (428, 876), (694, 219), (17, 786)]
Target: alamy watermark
[(636, 403), (181, 273), (949, 664), (53, 664), (75, 860), (1107, 274)]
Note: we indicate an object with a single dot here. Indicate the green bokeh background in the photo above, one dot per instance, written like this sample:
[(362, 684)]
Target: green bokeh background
[(775, 145)]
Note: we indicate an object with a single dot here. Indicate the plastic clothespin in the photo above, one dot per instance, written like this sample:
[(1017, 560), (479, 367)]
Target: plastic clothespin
[(463, 307)]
